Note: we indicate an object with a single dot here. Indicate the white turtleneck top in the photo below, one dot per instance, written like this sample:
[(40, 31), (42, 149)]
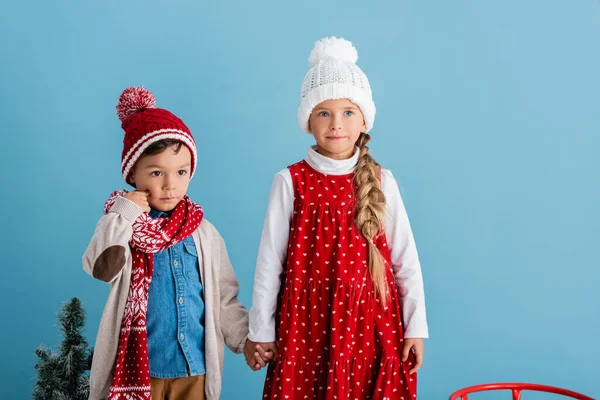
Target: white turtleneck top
[(272, 252)]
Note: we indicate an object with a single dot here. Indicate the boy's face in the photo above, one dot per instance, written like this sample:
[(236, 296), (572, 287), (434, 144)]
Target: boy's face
[(336, 126), (165, 176)]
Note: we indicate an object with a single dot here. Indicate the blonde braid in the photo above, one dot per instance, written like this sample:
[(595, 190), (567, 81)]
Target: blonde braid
[(370, 209)]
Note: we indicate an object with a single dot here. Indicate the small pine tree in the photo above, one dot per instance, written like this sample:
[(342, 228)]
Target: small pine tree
[(64, 375)]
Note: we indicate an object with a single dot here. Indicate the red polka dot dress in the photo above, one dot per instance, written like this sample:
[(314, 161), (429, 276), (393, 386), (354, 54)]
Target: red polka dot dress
[(335, 339)]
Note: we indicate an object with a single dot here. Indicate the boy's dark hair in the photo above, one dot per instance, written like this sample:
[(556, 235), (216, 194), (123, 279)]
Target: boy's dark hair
[(162, 145), (158, 147)]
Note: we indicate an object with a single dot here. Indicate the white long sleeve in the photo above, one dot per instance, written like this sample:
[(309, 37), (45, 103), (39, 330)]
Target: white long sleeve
[(272, 253), (274, 244), (405, 260)]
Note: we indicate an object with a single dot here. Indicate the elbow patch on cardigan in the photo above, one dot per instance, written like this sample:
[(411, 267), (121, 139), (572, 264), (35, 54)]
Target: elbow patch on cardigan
[(109, 263)]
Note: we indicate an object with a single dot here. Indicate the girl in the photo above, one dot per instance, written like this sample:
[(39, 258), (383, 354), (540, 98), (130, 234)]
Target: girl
[(338, 291)]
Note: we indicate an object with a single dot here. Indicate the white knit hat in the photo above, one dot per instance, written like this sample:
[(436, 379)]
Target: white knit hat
[(334, 75)]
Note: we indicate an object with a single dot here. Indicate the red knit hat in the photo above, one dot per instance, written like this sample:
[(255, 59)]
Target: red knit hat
[(145, 124)]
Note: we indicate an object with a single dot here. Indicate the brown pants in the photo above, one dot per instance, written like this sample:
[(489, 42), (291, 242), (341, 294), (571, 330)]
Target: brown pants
[(188, 388)]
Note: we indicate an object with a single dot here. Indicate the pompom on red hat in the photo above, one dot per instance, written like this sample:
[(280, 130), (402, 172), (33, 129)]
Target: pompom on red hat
[(145, 124)]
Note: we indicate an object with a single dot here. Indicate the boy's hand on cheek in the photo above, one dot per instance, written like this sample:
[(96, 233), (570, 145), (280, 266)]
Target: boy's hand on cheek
[(140, 197)]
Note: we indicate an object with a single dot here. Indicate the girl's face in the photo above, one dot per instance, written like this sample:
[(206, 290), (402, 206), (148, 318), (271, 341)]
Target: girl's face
[(165, 176), (336, 126)]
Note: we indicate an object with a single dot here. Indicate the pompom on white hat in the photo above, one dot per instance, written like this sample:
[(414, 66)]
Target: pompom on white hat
[(334, 75)]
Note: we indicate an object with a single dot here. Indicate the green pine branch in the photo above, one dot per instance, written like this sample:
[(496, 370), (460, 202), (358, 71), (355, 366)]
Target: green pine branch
[(64, 375)]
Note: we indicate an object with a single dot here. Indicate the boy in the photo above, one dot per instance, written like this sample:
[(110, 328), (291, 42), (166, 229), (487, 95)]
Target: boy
[(173, 299)]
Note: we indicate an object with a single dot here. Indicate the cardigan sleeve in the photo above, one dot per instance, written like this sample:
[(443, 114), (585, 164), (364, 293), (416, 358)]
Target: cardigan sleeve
[(108, 249)]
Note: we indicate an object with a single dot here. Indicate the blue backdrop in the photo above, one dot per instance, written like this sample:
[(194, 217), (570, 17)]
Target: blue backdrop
[(487, 115)]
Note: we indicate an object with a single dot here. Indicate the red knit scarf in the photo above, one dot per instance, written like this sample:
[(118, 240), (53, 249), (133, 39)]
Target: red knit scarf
[(131, 374)]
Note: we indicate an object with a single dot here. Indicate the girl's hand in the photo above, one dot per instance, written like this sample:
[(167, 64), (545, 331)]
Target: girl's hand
[(417, 347), (140, 198), (259, 354)]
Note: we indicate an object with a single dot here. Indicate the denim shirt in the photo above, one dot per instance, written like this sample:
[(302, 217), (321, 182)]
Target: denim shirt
[(175, 316)]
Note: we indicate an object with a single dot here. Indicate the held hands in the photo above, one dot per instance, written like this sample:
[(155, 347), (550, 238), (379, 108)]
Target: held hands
[(140, 198), (417, 347), (258, 354)]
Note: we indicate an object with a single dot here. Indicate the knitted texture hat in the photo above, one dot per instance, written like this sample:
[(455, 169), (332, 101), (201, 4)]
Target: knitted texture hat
[(144, 124), (334, 75)]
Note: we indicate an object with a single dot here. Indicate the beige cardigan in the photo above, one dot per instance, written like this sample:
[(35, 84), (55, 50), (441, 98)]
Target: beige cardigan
[(108, 258)]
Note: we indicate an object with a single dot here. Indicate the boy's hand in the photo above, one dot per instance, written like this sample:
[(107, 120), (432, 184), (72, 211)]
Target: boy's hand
[(417, 346), (259, 354), (140, 198)]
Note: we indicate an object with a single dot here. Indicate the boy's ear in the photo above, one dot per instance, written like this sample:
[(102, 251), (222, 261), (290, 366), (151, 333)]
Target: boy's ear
[(131, 178)]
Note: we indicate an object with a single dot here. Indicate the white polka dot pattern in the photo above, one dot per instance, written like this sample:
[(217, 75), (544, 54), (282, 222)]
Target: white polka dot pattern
[(335, 340)]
